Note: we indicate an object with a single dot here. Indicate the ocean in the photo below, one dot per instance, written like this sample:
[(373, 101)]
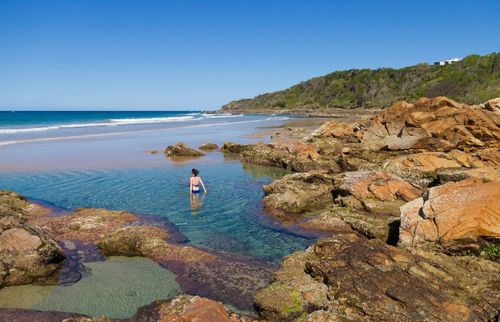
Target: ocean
[(32, 126)]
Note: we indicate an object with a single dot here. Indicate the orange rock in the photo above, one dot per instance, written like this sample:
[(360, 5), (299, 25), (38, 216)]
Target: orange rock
[(299, 149), (335, 129), (373, 191), (195, 308), (453, 211), (19, 240), (424, 168)]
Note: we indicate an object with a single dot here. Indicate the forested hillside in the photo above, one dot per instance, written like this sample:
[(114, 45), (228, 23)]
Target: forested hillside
[(473, 80)]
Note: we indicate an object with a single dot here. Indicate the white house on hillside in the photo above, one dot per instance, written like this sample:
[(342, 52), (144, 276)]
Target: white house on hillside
[(448, 61)]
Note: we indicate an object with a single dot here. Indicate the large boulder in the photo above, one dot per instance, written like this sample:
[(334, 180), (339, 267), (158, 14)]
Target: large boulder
[(437, 124), (27, 254), (350, 278), (299, 193), (188, 308), (182, 150), (452, 212)]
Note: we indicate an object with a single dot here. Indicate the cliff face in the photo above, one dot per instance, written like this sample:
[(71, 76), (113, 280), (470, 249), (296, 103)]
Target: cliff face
[(473, 80)]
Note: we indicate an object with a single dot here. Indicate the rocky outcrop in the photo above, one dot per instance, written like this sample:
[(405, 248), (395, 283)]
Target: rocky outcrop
[(437, 124), (356, 274), (295, 156), (351, 278), (208, 147), (452, 212), (27, 254), (182, 150), (366, 201)]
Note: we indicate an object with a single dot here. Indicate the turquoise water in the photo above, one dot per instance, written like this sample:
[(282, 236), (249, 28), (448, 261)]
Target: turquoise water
[(229, 218)]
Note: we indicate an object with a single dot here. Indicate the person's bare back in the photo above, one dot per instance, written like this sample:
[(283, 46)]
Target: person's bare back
[(195, 181)]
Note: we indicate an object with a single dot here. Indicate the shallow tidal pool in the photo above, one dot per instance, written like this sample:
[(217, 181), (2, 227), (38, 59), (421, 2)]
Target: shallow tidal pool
[(116, 288)]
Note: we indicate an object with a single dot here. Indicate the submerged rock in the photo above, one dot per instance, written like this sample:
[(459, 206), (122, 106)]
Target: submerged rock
[(182, 150), (208, 147), (465, 210), (231, 147)]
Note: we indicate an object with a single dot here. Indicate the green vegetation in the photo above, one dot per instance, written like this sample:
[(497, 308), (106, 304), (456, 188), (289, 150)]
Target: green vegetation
[(473, 80), (297, 304), (491, 251)]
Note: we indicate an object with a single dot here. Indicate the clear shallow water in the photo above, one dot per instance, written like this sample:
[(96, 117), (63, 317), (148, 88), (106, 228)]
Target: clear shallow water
[(100, 166), (115, 288), (229, 218)]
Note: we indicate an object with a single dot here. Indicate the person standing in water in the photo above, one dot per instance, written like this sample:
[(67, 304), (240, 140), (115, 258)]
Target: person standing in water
[(195, 182)]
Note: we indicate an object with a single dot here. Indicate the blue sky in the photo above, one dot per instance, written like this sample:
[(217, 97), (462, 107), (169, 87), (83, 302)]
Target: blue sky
[(186, 54)]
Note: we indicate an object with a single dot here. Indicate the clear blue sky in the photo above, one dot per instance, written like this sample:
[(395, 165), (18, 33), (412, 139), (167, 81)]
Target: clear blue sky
[(121, 54)]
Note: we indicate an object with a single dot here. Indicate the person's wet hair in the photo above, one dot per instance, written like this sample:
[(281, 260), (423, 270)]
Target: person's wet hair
[(195, 172)]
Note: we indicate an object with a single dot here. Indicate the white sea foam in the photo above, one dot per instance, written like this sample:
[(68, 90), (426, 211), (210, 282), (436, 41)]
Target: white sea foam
[(152, 120), (112, 122), (218, 116)]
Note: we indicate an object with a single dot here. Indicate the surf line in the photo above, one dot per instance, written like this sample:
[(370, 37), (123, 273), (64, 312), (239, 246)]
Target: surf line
[(89, 136)]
